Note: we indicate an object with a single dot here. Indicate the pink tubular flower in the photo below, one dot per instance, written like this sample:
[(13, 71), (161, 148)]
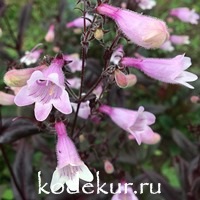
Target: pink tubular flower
[(165, 70), (46, 88), (135, 122), (124, 192), (70, 167), (144, 31), (31, 57), (179, 39), (6, 99), (79, 22), (49, 37), (185, 15), (146, 4)]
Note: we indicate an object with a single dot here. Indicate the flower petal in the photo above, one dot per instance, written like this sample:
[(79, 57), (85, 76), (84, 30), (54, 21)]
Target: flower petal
[(54, 78), (57, 181), (22, 98), (149, 117), (85, 174), (42, 111), (137, 136), (188, 76), (36, 75), (73, 184), (149, 137), (63, 104)]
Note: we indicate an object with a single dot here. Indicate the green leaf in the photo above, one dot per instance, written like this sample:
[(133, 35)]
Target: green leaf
[(8, 194)]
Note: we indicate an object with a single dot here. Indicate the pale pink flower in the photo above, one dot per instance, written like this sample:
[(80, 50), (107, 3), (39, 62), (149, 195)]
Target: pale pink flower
[(6, 99), (19, 77), (171, 70), (108, 167), (134, 122), (79, 22), (167, 46), (70, 168), (124, 192), (144, 31), (49, 37), (76, 62), (185, 15), (31, 57), (146, 4), (46, 89), (179, 39), (84, 109), (74, 82), (117, 55)]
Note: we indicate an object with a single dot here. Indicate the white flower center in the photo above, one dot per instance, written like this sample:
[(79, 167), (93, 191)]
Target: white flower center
[(69, 171)]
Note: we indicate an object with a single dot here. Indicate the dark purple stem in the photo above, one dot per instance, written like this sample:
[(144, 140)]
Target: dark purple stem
[(11, 172)]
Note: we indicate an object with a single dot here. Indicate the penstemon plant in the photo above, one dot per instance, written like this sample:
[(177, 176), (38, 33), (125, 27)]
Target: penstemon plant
[(85, 106)]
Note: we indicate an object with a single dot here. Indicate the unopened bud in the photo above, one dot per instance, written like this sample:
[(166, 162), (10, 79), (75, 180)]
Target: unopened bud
[(49, 37), (194, 99), (19, 77), (98, 34), (81, 138), (108, 167)]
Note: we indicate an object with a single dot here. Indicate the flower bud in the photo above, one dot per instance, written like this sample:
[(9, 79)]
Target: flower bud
[(49, 37), (19, 77), (98, 34), (194, 99), (108, 167)]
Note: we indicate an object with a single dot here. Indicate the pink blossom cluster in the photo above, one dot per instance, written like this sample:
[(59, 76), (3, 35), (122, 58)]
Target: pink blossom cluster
[(48, 89)]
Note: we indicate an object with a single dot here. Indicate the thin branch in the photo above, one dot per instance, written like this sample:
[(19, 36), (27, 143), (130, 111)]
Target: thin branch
[(11, 172), (75, 118)]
